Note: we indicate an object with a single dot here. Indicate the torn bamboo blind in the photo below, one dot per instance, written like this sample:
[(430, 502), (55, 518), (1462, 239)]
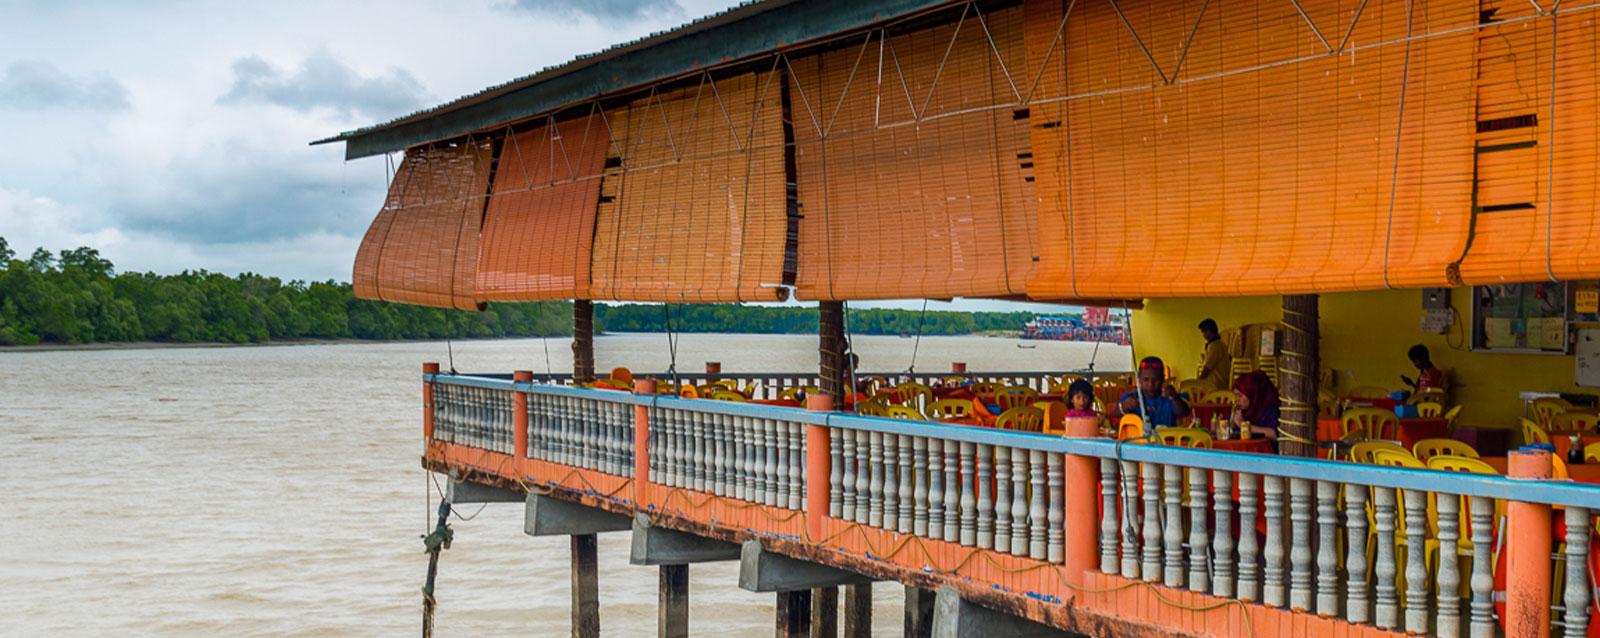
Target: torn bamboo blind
[(539, 225), (423, 246), (697, 213), (914, 177), (1258, 155)]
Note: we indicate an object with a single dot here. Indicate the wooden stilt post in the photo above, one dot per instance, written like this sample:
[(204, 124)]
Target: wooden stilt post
[(582, 341), (585, 588), (858, 611), (1298, 434), (825, 612), (835, 378), (672, 614), (794, 614), (919, 613)]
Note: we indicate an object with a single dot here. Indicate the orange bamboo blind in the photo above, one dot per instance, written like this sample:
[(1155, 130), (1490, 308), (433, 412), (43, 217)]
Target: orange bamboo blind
[(539, 225), (1536, 161), (423, 246), (912, 182), (697, 213), (1249, 159)]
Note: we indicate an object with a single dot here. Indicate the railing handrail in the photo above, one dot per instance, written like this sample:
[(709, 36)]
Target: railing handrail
[(1552, 492)]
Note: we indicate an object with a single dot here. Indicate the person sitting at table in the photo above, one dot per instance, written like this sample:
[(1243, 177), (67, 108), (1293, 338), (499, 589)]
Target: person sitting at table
[(1255, 405), (1214, 360), (1080, 400), (1428, 376), (1162, 405)]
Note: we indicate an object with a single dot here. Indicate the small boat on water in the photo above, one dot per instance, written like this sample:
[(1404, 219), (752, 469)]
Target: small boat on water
[(1026, 347)]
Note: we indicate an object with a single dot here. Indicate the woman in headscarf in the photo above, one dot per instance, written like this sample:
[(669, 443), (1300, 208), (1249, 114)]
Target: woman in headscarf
[(1255, 404)]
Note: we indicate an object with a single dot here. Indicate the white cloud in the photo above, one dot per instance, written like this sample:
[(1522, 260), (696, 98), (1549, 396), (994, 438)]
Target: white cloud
[(36, 85), (323, 81)]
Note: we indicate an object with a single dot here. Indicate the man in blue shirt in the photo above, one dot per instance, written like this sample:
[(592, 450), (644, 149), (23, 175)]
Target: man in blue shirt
[(1162, 406)]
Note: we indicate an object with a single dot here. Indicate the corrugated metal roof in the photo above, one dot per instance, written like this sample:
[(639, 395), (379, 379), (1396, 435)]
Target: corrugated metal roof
[(747, 29)]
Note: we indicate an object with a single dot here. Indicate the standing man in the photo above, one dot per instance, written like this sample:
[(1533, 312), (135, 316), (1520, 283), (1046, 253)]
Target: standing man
[(1214, 360)]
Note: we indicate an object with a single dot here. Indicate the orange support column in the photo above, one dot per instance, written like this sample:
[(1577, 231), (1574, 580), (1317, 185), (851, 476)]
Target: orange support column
[(641, 442), (427, 401), (1082, 477), (519, 421), (819, 465), (1528, 554)]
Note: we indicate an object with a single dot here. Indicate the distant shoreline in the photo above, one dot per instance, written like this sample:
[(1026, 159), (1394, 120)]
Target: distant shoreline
[(303, 341)]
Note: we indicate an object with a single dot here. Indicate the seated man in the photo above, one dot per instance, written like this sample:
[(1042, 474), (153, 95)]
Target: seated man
[(1429, 377), (1162, 405)]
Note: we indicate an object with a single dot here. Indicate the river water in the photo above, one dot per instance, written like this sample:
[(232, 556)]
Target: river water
[(276, 491)]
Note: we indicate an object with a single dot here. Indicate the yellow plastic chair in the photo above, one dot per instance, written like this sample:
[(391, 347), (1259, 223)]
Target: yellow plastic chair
[(1194, 389), (1220, 396), (1328, 409), (1426, 449), (1015, 396), (903, 413), (982, 387), (1353, 435), (946, 409), (1185, 437), (1362, 452), (726, 384), (1543, 409), (1324, 394), (1591, 452), (1379, 424), (1367, 392), (1430, 395), (750, 391), (1429, 409), (1023, 418), (1532, 433), (1450, 417), (914, 395), (872, 408), (1455, 463), (1055, 415), (1573, 423), (1130, 427), (727, 395)]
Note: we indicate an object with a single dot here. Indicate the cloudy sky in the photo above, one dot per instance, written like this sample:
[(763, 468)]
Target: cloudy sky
[(173, 135)]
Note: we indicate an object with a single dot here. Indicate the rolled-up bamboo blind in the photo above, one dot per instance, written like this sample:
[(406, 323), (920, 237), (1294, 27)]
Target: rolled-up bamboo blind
[(697, 213), (1250, 159), (912, 182), (539, 226), (422, 248)]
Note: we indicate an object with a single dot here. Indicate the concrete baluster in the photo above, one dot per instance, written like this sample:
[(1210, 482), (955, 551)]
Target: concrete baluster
[(969, 496), (863, 477), (1128, 519), (697, 443), (769, 476), (875, 490), (1172, 536), (798, 457), (1151, 475), (840, 494), (743, 442), (1301, 511), (781, 472), (1020, 531), (1448, 580), (1222, 584), (1576, 597), (1327, 548), (1418, 616), (1002, 498), (1199, 538), (952, 491), (1273, 591), (985, 505), (1387, 608), (1482, 609), (891, 480), (936, 479), (1357, 604), (919, 494), (847, 492), (1249, 588), (1045, 512), (907, 469)]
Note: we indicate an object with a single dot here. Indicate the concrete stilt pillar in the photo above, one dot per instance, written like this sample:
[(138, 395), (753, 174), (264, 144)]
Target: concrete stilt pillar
[(919, 612), (825, 612), (672, 614), (858, 611), (585, 588), (794, 614)]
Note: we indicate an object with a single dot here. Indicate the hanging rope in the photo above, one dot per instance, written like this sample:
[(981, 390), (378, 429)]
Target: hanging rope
[(917, 345), (435, 542), (672, 348)]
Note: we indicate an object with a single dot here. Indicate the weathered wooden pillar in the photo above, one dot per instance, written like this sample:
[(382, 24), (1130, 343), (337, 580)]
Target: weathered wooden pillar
[(825, 612), (672, 611), (835, 376), (858, 611), (585, 588), (582, 341), (1298, 417), (794, 614)]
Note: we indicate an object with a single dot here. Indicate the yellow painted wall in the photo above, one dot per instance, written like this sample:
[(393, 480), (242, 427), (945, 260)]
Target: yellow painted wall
[(1365, 336)]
